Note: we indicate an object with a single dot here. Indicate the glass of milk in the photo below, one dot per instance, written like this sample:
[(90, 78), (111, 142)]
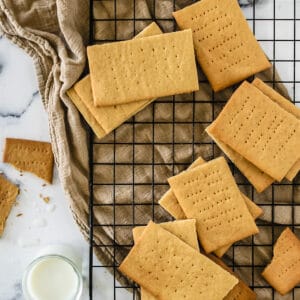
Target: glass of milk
[(54, 274)]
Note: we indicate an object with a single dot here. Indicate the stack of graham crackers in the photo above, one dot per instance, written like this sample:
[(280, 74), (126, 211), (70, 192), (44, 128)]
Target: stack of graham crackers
[(127, 76), (258, 130), (166, 262), (208, 193)]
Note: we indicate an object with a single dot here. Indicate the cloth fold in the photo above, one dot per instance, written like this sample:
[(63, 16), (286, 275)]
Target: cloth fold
[(54, 34)]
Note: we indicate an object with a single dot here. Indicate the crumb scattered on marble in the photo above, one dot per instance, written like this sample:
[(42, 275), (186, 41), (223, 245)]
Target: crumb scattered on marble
[(46, 199), (44, 184), (19, 215)]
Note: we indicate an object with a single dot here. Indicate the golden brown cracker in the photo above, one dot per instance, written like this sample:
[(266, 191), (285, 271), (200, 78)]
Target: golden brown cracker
[(105, 119), (276, 97), (169, 201), (259, 130), (8, 195), (142, 69), (183, 229), (254, 209), (209, 194), (241, 291), (288, 106), (283, 273), (186, 231), (256, 177), (225, 46), (170, 269), (30, 156), (255, 212), (82, 100)]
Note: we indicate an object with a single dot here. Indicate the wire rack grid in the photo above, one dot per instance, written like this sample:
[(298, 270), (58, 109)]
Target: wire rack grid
[(276, 24)]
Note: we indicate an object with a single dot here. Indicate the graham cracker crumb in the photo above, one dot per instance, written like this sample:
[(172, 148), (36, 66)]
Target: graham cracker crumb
[(46, 199)]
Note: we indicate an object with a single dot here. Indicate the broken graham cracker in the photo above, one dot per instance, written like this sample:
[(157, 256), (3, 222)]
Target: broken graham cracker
[(283, 273), (8, 195), (142, 69), (209, 194), (225, 46), (186, 231), (256, 177), (259, 130), (289, 107), (105, 119), (170, 269), (30, 156)]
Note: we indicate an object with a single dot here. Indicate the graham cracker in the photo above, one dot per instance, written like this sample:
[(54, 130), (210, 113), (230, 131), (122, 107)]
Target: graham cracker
[(8, 195), (225, 46), (183, 229), (30, 156), (142, 69), (80, 99), (241, 291), (289, 107), (259, 130), (170, 269), (256, 177), (169, 201), (209, 194), (276, 97), (105, 119), (255, 212), (283, 273), (186, 231)]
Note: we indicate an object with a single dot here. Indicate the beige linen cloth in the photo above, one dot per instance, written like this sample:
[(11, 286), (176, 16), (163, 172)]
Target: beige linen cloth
[(54, 34)]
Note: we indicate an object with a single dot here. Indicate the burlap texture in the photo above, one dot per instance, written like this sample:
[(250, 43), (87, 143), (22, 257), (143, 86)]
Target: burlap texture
[(54, 33)]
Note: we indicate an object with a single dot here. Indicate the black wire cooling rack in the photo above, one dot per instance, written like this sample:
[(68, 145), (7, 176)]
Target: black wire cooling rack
[(276, 24)]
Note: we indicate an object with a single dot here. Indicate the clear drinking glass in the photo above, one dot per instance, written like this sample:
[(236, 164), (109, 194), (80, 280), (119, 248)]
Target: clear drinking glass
[(54, 274)]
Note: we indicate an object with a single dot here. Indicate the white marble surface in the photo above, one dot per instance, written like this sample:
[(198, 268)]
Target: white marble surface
[(22, 115)]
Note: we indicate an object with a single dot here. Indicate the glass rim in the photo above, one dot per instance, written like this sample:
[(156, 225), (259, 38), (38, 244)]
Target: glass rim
[(43, 257)]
